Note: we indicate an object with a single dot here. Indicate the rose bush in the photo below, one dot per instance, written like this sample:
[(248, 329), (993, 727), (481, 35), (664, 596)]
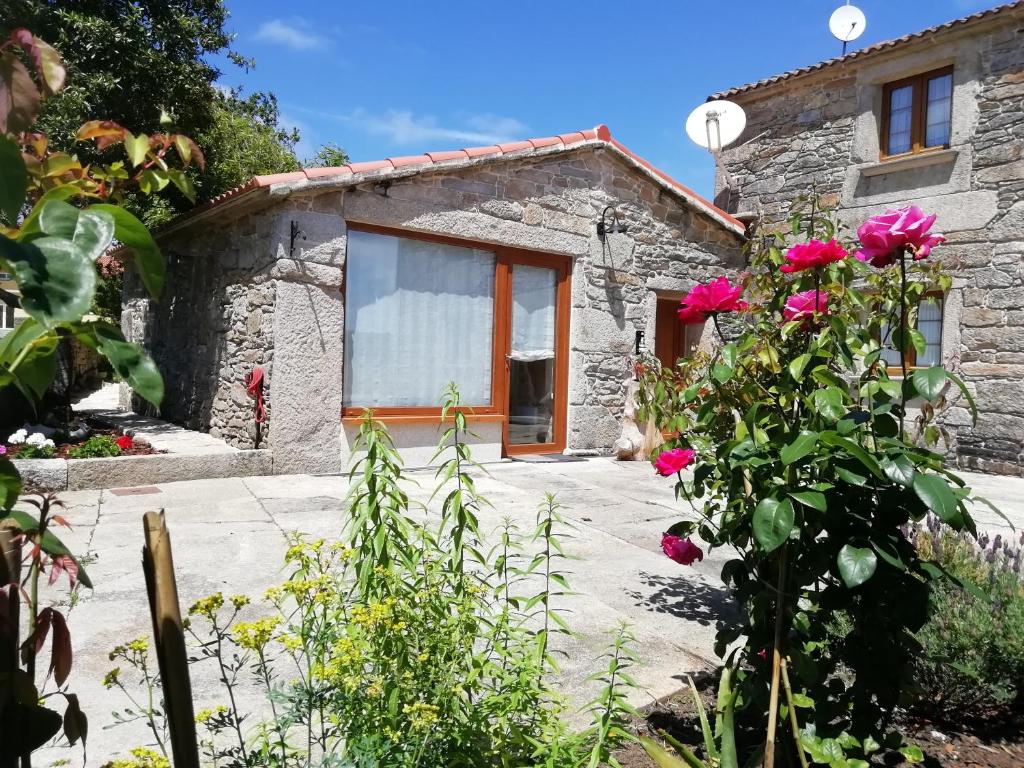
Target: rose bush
[(803, 466)]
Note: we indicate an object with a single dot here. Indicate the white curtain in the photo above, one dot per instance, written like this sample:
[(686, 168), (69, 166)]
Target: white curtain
[(533, 313), (417, 315)]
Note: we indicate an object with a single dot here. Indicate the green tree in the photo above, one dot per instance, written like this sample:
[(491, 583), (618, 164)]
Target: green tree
[(128, 60), (329, 156)]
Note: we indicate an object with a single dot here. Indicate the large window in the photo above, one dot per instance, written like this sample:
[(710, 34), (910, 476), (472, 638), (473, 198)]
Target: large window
[(929, 323), (917, 113), (418, 314)]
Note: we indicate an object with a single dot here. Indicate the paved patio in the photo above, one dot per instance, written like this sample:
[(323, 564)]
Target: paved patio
[(229, 535)]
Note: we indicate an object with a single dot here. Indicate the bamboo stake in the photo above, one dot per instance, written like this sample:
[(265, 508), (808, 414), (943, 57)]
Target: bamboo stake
[(10, 573), (169, 636), (792, 715), (773, 706)]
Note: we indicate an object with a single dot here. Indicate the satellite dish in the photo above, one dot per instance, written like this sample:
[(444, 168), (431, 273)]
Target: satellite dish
[(847, 23), (716, 124)]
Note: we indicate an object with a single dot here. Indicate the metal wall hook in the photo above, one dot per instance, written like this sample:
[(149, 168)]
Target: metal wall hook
[(294, 233)]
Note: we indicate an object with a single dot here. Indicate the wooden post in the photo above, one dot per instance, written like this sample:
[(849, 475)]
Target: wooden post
[(10, 573), (169, 637)]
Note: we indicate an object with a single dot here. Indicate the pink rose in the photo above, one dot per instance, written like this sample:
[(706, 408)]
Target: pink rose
[(3, 450), (717, 296), (676, 460), (883, 236), (690, 316), (812, 255), (683, 551), (805, 304)]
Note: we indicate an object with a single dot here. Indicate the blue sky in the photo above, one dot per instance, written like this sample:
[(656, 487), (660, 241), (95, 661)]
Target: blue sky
[(402, 77)]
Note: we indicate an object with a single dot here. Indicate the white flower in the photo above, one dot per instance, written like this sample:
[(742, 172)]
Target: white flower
[(17, 438), (38, 439)]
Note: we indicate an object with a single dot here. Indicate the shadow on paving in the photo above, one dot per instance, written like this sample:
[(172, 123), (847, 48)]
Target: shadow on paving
[(690, 599)]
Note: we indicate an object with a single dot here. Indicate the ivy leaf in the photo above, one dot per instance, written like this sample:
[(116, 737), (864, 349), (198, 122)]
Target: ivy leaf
[(899, 469), (963, 388), (129, 361), (19, 97), (797, 366), (936, 494), (800, 447), (812, 499), (56, 278), (856, 565), (13, 180), (133, 233), (929, 381), (136, 147), (773, 522), (90, 230), (829, 403), (10, 484)]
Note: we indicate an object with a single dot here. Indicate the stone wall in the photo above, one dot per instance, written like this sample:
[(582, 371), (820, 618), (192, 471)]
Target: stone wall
[(240, 294), (822, 131), (211, 326)]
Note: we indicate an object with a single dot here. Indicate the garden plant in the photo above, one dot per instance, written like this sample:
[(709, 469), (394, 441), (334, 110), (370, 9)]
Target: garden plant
[(810, 458), (406, 642), (58, 216)]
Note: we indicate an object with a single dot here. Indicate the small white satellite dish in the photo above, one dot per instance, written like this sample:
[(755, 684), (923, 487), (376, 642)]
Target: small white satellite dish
[(847, 23), (716, 124)]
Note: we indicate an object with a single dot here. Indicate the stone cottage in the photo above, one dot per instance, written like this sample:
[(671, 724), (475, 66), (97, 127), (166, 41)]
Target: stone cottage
[(530, 273), (934, 118)]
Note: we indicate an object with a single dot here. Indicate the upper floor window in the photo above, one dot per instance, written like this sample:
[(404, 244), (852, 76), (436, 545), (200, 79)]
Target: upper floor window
[(917, 113)]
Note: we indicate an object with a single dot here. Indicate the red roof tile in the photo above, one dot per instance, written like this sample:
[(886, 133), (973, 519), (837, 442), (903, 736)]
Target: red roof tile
[(565, 141), (871, 49)]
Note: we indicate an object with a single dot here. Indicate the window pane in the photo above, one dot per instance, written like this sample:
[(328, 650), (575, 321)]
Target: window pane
[(940, 110), (531, 397), (417, 315), (929, 323), (901, 112)]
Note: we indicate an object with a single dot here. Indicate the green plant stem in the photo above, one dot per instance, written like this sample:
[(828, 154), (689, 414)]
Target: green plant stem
[(231, 691), (773, 706), (903, 337), (265, 672), (792, 715), (150, 684)]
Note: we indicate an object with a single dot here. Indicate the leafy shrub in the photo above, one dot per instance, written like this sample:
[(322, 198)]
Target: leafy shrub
[(807, 464), (973, 646), (96, 447), (412, 643)]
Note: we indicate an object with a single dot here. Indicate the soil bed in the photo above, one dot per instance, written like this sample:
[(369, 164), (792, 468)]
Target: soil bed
[(62, 450), (993, 739)]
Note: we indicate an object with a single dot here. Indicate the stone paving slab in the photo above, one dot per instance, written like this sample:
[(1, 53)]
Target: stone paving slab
[(230, 535)]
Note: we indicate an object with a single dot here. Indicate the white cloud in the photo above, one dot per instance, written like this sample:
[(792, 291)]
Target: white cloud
[(295, 35), (404, 127)]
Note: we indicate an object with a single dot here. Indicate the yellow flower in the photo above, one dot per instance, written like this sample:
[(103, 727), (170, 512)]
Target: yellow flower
[(139, 645), (111, 678), (141, 757), (254, 635), (239, 601), (421, 715), (206, 714), (208, 606)]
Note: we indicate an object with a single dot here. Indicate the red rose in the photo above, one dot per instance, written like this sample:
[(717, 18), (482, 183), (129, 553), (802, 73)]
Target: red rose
[(124, 442), (812, 255), (682, 551), (676, 460), (717, 296)]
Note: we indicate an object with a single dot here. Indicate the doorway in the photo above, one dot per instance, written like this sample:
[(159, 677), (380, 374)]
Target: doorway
[(534, 318)]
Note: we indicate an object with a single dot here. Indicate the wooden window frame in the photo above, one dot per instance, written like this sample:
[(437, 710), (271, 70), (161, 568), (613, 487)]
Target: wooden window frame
[(919, 113), (911, 355), (497, 412)]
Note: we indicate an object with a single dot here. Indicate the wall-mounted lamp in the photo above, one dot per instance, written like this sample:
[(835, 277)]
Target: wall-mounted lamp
[(610, 226)]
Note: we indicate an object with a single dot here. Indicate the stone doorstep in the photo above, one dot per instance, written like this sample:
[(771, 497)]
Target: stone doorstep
[(127, 471)]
